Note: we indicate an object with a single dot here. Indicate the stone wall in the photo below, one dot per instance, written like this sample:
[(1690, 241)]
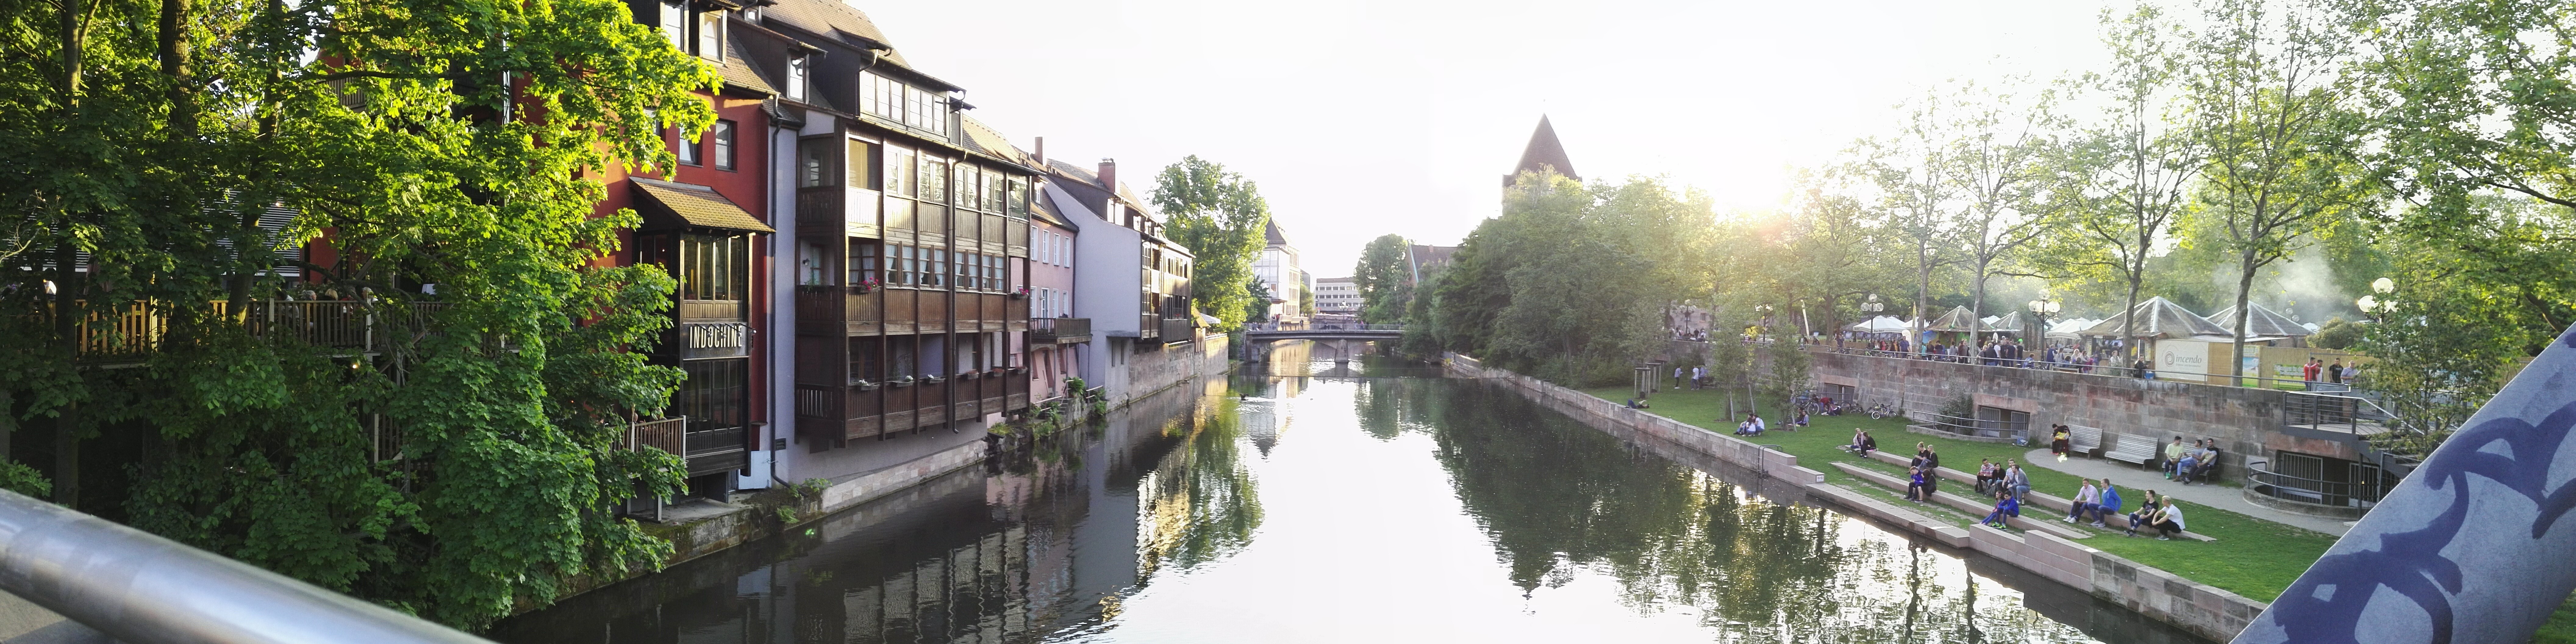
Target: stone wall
[(1588, 408), (2244, 420), (1151, 370)]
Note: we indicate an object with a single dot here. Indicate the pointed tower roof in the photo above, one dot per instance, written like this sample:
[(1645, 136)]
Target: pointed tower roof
[(1543, 152)]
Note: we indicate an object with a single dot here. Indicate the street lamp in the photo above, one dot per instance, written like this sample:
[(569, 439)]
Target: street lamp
[(2378, 306), (1872, 305)]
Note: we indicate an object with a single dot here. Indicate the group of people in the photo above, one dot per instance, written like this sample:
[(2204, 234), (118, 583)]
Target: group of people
[(2335, 376), (2187, 465), (1923, 472), (1751, 426)]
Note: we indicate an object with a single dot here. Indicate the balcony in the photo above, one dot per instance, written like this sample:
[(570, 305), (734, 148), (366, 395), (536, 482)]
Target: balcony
[(706, 451), (1178, 330), (129, 332), (1060, 330), (855, 411)]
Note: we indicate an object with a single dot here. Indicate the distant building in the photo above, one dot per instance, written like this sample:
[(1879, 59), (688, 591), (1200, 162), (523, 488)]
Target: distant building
[(1279, 272), (1132, 285), (1426, 261), (1337, 296), (1544, 154)]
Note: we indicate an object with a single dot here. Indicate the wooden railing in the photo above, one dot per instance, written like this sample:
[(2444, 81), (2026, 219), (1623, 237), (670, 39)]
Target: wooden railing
[(135, 329), (668, 434), (1044, 330)]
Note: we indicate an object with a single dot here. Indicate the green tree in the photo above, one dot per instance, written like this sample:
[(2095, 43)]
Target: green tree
[(2003, 151), (2281, 147), (1570, 282), (1915, 196), (2132, 171), (1220, 217), (1256, 302), (1384, 278), (460, 470)]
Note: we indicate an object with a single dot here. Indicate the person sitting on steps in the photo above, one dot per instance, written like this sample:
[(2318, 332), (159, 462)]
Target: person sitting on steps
[(1915, 489), (1862, 444), (2146, 510), (2086, 498), (2005, 506), (2168, 520), (2108, 505)]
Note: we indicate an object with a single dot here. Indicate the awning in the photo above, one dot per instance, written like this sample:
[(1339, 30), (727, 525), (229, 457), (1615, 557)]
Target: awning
[(674, 206)]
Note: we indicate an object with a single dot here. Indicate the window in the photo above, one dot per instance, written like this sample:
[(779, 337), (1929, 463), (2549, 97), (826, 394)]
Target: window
[(969, 271), (997, 274), (711, 34), (934, 179), (968, 177), (814, 164), (899, 264), (997, 192), (1018, 199), (675, 24), (712, 396), (796, 76), (934, 268), (688, 148), (863, 165), (863, 261), (720, 138), (809, 264), (714, 268), (899, 178)]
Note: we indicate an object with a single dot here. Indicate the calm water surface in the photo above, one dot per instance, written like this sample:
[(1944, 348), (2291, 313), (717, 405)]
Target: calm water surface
[(1370, 504)]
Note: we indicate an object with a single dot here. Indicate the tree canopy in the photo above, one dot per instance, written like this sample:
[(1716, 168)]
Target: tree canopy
[(1221, 218)]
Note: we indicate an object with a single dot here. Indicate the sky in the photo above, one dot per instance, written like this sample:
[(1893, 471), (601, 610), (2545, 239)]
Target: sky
[(1358, 119)]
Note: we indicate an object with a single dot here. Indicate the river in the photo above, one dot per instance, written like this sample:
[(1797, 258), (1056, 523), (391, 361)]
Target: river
[(1333, 503)]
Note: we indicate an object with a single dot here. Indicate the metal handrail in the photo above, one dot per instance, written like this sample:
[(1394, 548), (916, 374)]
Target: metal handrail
[(2262, 480), (2102, 369), (143, 589)]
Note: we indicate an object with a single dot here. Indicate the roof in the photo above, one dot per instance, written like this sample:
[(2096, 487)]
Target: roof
[(2159, 318), (1275, 236), (2264, 323), (1091, 179), (1880, 324), (737, 69), (667, 205), (1544, 153), (983, 139), (1955, 320), (833, 18), (1337, 280)]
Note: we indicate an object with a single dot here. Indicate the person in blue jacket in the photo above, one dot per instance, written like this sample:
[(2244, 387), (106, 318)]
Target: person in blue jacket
[(2109, 505), (2005, 505)]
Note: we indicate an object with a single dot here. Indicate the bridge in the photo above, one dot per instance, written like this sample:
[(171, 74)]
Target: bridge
[(1334, 332), (1339, 338)]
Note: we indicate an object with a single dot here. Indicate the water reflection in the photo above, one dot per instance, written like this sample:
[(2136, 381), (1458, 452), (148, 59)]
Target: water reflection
[(1252, 510)]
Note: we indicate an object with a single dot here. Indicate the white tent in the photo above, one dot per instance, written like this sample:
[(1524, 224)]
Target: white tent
[(1880, 324)]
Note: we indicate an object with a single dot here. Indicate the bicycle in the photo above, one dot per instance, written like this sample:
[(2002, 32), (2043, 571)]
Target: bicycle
[(1882, 410)]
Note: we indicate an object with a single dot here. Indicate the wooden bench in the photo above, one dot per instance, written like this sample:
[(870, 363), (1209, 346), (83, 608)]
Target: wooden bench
[(2083, 440), (2132, 448)]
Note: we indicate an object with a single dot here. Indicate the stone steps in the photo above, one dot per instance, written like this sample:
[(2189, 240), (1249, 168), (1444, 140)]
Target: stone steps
[(2053, 503), (2027, 523)]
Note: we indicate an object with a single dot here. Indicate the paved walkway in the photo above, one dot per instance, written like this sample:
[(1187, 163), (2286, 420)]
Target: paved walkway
[(2132, 478)]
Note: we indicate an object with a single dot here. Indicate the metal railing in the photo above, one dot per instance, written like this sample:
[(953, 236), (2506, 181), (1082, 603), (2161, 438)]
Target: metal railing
[(2098, 366), (143, 589), (1054, 329), (2364, 486)]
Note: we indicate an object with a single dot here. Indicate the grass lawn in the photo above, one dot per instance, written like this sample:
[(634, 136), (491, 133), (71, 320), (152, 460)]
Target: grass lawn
[(2251, 557)]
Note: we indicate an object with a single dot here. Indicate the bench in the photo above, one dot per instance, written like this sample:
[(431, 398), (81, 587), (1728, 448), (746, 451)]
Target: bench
[(2083, 440), (2131, 448)]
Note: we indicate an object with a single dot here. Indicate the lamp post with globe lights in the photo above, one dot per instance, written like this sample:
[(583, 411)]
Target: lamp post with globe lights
[(2042, 308), (2381, 302)]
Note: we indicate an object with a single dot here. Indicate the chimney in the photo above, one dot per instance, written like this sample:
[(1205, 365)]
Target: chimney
[(1040, 153), (1109, 174)]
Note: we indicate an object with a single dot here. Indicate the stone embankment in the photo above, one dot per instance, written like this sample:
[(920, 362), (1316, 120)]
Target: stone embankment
[(2204, 610)]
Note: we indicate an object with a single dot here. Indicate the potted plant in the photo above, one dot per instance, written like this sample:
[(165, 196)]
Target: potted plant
[(866, 285), (1021, 294), (865, 384), (969, 375), (903, 381), (932, 380), (1021, 370)]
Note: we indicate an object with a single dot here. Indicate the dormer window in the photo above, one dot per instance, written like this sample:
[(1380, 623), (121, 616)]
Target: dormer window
[(711, 35), (674, 20), (796, 76)]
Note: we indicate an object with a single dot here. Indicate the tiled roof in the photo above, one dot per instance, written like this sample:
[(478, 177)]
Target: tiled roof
[(669, 205), (832, 17), (983, 139), (737, 69)]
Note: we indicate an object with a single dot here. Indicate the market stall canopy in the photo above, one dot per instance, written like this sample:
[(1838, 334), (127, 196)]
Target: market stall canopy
[(2070, 329), (1955, 320), (2159, 318), (1880, 324), (2007, 323), (2264, 323)]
